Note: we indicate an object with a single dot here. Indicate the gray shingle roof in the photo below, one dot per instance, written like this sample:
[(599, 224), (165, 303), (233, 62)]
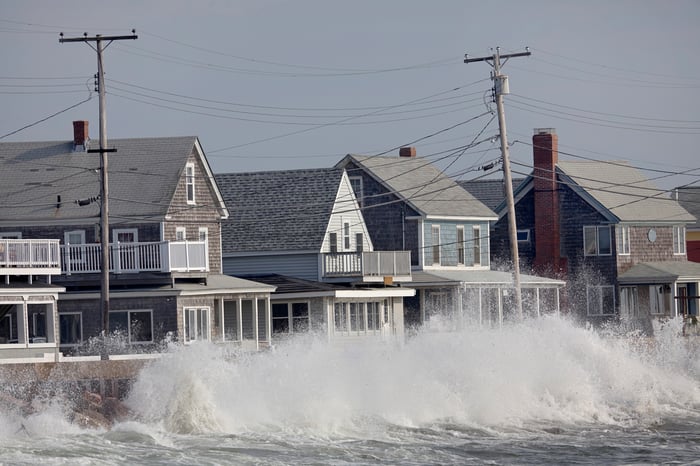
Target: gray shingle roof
[(423, 186), (490, 192), (689, 198), (661, 272), (624, 191), (277, 210), (143, 175)]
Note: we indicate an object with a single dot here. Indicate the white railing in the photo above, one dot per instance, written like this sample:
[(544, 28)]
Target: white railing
[(160, 256), (30, 254), (376, 264)]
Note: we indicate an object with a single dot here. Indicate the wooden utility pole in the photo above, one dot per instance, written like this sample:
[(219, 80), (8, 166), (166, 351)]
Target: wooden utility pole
[(500, 87), (104, 190)]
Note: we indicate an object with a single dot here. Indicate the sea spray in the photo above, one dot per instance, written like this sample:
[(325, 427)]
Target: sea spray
[(541, 370)]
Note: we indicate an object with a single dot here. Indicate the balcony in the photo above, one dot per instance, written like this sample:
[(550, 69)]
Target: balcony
[(30, 257), (160, 256), (372, 266)]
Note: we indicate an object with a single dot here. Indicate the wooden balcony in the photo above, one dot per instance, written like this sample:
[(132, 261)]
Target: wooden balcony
[(161, 256), (30, 257), (373, 266)]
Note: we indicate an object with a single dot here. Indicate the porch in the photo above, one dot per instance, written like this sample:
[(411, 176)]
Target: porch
[(29, 257), (373, 266), (160, 256)]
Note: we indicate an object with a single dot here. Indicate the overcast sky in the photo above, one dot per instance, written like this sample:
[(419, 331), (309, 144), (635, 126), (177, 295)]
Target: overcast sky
[(297, 84)]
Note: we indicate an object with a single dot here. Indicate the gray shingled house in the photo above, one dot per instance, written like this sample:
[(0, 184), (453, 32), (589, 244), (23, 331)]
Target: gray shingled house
[(617, 239), (302, 231), (165, 249), (409, 204)]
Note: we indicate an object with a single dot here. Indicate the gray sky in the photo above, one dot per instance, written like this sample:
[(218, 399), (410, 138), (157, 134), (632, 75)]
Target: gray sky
[(270, 84)]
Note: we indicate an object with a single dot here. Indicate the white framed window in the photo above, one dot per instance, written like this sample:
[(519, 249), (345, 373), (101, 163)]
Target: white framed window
[(523, 236), (203, 233), (629, 302), (196, 321), (596, 240), (333, 240), (476, 242), (435, 238), (292, 317), (359, 242), (624, 244), (346, 236), (460, 245), (679, 240), (189, 182), (75, 242), (136, 325), (601, 300), (180, 234), (70, 328), (360, 318), (659, 299), (356, 184)]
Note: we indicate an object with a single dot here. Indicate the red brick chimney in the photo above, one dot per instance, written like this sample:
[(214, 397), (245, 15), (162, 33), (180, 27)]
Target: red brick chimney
[(547, 225), (407, 152), (80, 134)]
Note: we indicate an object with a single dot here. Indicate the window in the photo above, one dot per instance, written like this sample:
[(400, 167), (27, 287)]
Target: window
[(340, 317), (596, 240), (203, 233), (356, 183), (360, 318), (523, 236), (71, 328), (346, 236), (624, 249), (477, 245), (75, 240), (231, 321), (359, 242), (290, 317), (180, 234), (435, 230), (196, 324), (629, 302), (460, 245), (136, 326), (601, 300), (333, 239), (189, 182), (678, 240), (659, 299)]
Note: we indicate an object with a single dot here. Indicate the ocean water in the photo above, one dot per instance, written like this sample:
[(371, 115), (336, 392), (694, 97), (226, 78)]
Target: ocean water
[(539, 392)]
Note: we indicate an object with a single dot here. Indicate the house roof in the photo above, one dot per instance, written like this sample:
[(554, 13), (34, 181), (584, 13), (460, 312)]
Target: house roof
[(292, 287), (661, 272), (619, 191), (689, 198), (490, 192), (623, 191), (278, 210), (143, 176), (479, 278), (425, 188)]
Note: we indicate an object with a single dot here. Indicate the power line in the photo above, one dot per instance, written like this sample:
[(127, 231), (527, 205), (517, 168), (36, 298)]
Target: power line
[(46, 118)]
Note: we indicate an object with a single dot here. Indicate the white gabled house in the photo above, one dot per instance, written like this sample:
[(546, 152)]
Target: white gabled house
[(303, 232)]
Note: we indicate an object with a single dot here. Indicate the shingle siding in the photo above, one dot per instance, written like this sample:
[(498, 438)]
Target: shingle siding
[(295, 265)]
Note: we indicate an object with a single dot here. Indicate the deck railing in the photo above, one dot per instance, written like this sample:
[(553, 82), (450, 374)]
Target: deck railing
[(371, 266), (160, 256), (38, 256)]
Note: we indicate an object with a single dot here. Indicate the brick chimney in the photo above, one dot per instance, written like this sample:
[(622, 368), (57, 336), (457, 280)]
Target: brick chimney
[(547, 220), (80, 135), (407, 152)]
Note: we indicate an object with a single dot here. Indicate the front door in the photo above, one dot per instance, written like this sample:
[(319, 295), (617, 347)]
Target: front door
[(125, 252)]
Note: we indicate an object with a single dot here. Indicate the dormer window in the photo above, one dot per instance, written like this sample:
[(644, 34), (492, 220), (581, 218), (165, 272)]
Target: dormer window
[(189, 182)]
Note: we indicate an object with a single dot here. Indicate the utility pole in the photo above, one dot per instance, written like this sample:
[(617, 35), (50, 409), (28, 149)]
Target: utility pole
[(104, 189), (500, 87)]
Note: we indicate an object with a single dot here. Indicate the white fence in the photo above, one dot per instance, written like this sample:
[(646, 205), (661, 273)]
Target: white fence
[(30, 254), (161, 256)]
